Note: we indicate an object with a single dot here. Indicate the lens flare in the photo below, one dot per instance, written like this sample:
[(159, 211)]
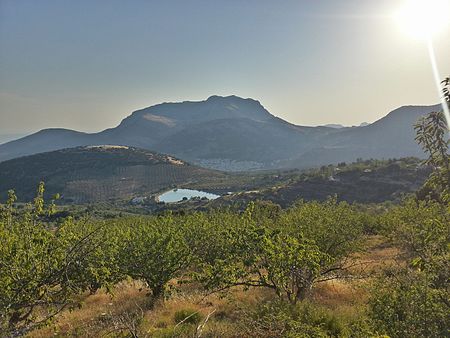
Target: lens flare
[(437, 79), (423, 18)]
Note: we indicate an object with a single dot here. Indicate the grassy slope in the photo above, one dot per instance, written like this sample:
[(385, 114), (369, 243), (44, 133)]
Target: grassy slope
[(91, 174)]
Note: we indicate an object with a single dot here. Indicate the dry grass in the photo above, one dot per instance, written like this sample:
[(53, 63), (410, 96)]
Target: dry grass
[(101, 312), (347, 296), (95, 312), (224, 310), (336, 294), (380, 253)]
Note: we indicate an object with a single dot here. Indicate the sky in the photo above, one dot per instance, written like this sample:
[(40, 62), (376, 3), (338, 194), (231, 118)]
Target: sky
[(87, 64)]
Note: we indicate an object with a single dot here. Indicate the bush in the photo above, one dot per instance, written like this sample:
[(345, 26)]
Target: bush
[(303, 320), (412, 300), (406, 304), (41, 268)]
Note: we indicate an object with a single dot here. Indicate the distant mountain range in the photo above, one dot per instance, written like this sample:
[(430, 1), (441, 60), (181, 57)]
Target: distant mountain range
[(339, 126), (10, 137), (233, 133), (334, 125)]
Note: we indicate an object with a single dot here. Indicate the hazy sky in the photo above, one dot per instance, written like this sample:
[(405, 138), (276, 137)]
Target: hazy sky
[(86, 64)]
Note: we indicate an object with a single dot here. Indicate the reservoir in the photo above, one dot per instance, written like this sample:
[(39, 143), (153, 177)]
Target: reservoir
[(177, 195)]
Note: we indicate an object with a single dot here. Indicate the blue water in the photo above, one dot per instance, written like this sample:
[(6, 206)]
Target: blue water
[(177, 195)]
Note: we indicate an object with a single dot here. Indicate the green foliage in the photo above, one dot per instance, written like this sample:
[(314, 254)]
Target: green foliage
[(336, 228), (35, 264), (154, 251), (421, 228), (98, 264), (408, 304), (44, 266), (432, 134), (412, 300), (303, 320), (288, 252), (222, 247)]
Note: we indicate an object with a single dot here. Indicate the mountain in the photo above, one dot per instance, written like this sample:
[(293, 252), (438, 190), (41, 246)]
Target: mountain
[(43, 141), (213, 129), (334, 125), (340, 126), (390, 137), (237, 134), (10, 137), (98, 173)]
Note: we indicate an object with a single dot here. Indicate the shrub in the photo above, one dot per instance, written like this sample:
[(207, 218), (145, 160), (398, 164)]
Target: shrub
[(412, 300), (280, 319)]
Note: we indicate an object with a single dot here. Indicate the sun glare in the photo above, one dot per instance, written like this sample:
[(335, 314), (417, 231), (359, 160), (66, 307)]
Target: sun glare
[(423, 18)]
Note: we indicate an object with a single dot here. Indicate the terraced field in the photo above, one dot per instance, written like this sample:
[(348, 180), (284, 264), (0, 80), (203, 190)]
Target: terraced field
[(92, 174)]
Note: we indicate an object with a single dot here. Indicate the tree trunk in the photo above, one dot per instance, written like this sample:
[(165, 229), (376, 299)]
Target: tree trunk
[(157, 291), (303, 292)]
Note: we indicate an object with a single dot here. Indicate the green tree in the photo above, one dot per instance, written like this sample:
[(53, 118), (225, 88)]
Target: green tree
[(289, 253), (98, 264), (154, 251), (34, 262), (432, 135)]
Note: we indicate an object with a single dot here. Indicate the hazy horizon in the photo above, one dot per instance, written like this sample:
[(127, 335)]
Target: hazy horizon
[(87, 65)]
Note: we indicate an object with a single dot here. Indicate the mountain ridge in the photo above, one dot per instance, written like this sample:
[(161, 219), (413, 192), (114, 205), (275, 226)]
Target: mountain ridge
[(234, 129)]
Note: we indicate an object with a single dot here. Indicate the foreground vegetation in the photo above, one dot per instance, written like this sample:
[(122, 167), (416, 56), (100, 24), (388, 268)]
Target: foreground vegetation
[(289, 253), (263, 271)]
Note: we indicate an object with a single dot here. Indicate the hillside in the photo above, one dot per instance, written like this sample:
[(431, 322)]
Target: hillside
[(364, 182), (232, 133), (98, 173), (369, 181), (390, 137)]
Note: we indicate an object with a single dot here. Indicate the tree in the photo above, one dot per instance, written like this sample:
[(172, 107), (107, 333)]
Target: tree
[(34, 262), (154, 251), (432, 135), (98, 264), (332, 233), (288, 253)]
